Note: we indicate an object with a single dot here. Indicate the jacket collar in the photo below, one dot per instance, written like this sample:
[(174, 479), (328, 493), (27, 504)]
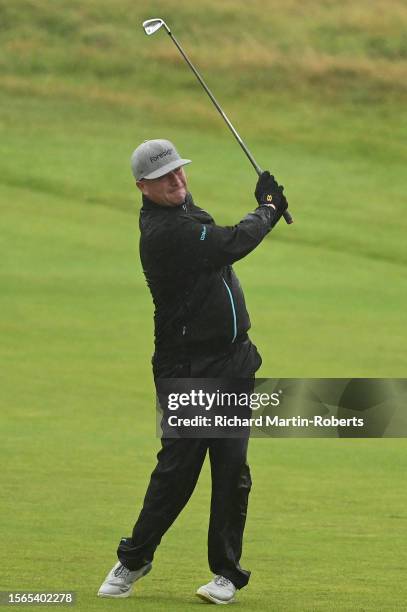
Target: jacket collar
[(150, 205)]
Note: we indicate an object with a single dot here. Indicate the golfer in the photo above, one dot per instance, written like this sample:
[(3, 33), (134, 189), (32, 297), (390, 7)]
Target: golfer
[(201, 326)]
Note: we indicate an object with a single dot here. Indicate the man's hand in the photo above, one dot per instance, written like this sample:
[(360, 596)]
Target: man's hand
[(270, 193)]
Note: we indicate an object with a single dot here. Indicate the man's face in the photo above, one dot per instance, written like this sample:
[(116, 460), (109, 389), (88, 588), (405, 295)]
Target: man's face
[(168, 190)]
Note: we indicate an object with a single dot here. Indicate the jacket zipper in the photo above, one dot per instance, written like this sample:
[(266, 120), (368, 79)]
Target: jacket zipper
[(233, 310), (184, 327)]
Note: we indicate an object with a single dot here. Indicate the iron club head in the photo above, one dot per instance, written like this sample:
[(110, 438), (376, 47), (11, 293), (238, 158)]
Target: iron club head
[(152, 25)]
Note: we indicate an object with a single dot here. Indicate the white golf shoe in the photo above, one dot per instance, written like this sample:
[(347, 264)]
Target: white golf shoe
[(120, 580), (219, 591)]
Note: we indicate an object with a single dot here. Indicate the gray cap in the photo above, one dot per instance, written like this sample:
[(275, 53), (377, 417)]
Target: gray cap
[(154, 158)]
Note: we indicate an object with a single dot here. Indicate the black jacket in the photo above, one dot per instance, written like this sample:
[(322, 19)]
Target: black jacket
[(187, 261)]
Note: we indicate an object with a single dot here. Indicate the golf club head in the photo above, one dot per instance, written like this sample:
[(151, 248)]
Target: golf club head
[(152, 25)]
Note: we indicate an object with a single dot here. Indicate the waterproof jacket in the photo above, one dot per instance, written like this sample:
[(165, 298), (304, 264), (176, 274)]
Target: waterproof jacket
[(187, 261)]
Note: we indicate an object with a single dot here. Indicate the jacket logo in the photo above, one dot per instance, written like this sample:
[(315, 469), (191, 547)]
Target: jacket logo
[(154, 158), (203, 233)]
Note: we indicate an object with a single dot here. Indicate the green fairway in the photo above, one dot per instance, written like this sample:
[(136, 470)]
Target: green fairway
[(322, 104)]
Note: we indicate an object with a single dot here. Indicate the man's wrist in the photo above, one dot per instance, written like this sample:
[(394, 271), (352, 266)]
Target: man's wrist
[(272, 213)]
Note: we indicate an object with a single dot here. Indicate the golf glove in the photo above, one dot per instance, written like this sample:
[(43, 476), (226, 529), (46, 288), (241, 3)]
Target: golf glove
[(269, 193)]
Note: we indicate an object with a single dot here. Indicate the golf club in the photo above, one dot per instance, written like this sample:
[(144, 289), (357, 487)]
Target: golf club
[(151, 26)]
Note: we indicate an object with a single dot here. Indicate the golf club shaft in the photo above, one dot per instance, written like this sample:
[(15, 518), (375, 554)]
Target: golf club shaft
[(288, 218)]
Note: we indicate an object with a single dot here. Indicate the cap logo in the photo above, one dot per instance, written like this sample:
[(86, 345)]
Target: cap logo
[(162, 154)]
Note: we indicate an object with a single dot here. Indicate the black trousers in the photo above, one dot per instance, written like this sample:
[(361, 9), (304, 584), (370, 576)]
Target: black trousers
[(179, 464)]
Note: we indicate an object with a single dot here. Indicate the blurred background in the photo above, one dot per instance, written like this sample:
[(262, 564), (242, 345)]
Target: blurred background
[(318, 92)]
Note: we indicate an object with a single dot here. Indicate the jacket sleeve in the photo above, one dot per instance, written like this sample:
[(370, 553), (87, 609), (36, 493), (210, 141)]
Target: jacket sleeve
[(210, 245)]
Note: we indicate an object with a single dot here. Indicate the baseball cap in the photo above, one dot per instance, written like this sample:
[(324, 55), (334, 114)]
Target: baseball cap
[(154, 158)]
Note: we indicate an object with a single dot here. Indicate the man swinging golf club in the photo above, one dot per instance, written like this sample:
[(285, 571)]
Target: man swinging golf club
[(201, 326)]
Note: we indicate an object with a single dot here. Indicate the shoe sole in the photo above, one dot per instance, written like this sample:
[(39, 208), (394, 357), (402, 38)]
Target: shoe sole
[(110, 596), (208, 598), (129, 592)]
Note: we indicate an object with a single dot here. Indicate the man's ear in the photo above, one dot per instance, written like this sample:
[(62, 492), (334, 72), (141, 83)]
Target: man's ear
[(141, 185)]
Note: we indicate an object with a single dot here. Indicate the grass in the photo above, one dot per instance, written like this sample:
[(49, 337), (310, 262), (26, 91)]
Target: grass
[(321, 102)]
